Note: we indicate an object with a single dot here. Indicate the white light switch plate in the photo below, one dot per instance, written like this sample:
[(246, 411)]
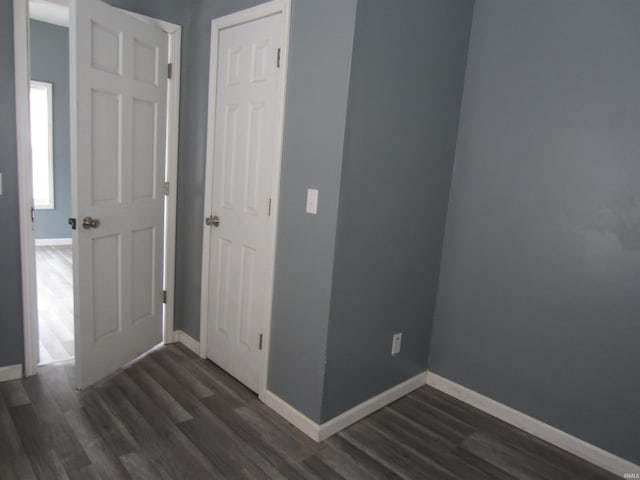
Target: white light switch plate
[(312, 201), (396, 344)]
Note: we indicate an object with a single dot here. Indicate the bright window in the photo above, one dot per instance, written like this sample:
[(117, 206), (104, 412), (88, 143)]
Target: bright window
[(42, 144)]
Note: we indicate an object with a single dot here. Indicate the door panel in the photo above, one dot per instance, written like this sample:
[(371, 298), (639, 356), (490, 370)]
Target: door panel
[(106, 111), (118, 124), (244, 148)]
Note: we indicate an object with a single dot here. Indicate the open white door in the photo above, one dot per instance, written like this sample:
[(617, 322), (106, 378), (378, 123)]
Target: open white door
[(242, 169), (118, 125)]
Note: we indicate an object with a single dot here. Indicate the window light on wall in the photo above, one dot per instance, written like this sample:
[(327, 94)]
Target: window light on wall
[(40, 99)]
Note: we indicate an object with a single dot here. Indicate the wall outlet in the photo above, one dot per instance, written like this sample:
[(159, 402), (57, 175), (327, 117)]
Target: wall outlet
[(396, 344)]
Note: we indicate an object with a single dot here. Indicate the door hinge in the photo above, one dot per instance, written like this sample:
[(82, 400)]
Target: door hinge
[(278, 59), (164, 296), (169, 70), (165, 188), (260, 343), (269, 207)]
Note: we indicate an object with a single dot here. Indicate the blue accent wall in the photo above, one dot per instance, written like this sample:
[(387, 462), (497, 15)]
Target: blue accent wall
[(404, 105), (50, 63), (539, 304)]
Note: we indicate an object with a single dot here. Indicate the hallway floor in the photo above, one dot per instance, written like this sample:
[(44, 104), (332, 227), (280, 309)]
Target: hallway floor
[(172, 415), (55, 303)]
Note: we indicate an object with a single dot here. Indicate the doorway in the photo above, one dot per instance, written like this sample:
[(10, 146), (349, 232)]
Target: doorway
[(244, 149), (50, 156), (162, 183)]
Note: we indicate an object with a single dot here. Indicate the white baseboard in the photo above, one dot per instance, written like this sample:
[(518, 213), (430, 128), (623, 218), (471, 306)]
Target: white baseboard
[(366, 408), (293, 416), (52, 242), (10, 372), (320, 432), (187, 340), (563, 440)]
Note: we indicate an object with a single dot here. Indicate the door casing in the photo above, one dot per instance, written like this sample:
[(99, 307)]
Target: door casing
[(25, 188), (244, 16)]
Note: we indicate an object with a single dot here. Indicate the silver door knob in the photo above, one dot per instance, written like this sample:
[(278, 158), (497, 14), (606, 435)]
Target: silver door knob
[(212, 220), (88, 222)]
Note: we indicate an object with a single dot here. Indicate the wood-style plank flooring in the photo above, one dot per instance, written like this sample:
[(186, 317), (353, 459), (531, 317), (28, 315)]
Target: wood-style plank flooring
[(55, 303), (172, 415)]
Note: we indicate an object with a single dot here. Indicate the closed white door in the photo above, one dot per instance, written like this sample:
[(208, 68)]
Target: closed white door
[(118, 123), (240, 176)]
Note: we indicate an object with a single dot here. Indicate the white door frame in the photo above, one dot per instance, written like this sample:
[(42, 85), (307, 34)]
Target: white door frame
[(25, 187), (238, 18)]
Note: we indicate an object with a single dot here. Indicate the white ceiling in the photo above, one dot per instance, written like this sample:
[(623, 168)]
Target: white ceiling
[(50, 11)]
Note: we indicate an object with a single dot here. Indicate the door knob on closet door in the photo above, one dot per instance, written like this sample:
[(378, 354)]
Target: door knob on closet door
[(212, 220), (88, 222)]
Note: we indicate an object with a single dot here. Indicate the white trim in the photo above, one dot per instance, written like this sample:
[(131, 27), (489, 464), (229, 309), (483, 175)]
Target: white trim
[(285, 8), (52, 242), (208, 188), (174, 33), (323, 431), (563, 440), (290, 414), (171, 200), (10, 372), (250, 14), (186, 340), (25, 184), (374, 404)]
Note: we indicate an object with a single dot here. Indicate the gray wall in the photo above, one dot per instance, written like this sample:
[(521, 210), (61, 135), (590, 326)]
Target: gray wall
[(49, 49), (11, 342), (538, 303), (316, 109), (404, 105)]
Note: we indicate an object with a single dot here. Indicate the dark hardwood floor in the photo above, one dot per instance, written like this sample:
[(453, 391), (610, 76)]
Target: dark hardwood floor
[(171, 415), (55, 303)]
